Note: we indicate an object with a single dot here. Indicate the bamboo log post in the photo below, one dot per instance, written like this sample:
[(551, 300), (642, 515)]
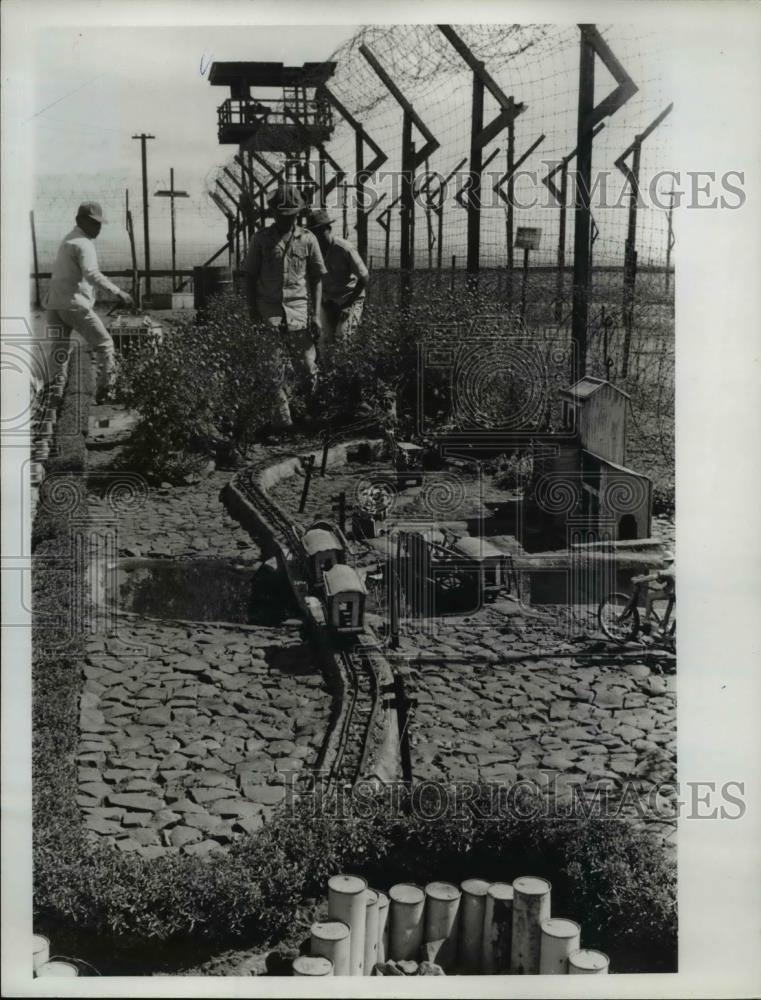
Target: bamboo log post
[(346, 902), (472, 910), (406, 933), (498, 928), (383, 927), (56, 969), (40, 951), (442, 921), (560, 937), (312, 965), (371, 931), (531, 907), (331, 939), (585, 962)]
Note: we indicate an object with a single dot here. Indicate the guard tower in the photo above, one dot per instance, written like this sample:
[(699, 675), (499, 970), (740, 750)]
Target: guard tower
[(291, 121)]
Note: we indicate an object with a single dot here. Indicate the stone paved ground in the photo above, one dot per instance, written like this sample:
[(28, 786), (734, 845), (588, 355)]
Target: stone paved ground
[(183, 522), (188, 734), (559, 719), (187, 731)]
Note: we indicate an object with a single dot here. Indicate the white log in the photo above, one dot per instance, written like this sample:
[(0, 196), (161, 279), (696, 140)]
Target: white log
[(585, 962), (371, 930), (312, 965), (531, 907), (472, 910), (332, 939), (346, 901), (560, 937), (406, 932), (383, 926), (442, 921), (40, 951), (498, 928), (57, 970)]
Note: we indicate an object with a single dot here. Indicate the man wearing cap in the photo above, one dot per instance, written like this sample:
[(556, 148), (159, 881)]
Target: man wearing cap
[(70, 300), (284, 268), (343, 287)]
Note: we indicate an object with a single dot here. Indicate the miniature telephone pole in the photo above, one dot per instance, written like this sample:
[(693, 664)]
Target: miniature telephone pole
[(308, 469)]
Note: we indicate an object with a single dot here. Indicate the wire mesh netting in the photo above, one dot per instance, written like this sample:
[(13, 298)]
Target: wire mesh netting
[(538, 66)]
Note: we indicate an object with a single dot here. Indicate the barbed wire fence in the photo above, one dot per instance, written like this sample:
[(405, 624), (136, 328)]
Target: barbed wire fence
[(630, 334)]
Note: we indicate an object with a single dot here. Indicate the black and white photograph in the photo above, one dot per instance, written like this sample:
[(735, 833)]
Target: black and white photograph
[(371, 378)]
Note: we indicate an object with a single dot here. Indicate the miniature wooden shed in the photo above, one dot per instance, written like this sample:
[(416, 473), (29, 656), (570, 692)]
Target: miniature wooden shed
[(489, 560), (596, 411)]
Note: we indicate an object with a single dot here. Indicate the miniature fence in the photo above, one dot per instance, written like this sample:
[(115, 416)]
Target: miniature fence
[(480, 928)]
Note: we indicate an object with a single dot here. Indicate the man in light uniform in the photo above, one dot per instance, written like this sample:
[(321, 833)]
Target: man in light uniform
[(70, 300), (284, 267), (343, 287)]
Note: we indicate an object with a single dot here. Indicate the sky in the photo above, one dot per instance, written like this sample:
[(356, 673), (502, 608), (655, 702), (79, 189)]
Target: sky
[(94, 88)]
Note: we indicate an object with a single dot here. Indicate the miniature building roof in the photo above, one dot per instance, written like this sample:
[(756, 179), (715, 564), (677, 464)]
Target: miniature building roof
[(408, 446), (477, 548), (270, 74), (318, 540), (615, 465), (588, 385), (342, 579)]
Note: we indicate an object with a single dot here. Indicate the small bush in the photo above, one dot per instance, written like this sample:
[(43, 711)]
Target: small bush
[(207, 384)]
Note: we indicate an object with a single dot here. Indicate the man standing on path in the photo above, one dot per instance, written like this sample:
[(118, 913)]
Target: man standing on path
[(343, 287), (70, 301), (284, 268)]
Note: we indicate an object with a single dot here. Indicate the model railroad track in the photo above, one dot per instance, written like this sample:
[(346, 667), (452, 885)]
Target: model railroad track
[(360, 709), (284, 529), (347, 743)]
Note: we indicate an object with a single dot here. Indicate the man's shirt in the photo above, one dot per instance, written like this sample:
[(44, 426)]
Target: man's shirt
[(76, 274), (279, 266), (344, 266)]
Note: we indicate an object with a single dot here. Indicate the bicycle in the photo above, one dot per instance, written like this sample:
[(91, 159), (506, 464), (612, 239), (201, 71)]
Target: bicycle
[(619, 617)]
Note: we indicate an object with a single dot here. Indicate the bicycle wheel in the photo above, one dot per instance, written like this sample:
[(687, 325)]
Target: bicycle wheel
[(618, 617)]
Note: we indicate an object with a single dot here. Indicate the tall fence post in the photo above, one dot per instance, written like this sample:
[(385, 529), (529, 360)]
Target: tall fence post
[(669, 239), (589, 115), (560, 194), (411, 160), (362, 172), (37, 300), (630, 247), (582, 206), (474, 192)]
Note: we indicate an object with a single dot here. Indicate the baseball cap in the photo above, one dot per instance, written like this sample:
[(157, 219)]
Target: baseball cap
[(318, 218), (286, 200), (91, 210)]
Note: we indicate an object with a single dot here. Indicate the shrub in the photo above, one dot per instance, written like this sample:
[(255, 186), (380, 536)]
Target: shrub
[(208, 382)]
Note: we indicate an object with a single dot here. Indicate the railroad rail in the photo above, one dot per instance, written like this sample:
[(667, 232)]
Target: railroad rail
[(344, 755)]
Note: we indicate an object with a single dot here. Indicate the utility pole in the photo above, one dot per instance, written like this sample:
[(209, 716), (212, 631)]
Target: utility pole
[(172, 194), (146, 238)]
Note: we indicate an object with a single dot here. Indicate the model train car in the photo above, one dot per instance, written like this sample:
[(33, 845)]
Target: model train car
[(323, 551), (344, 600), (338, 587)]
